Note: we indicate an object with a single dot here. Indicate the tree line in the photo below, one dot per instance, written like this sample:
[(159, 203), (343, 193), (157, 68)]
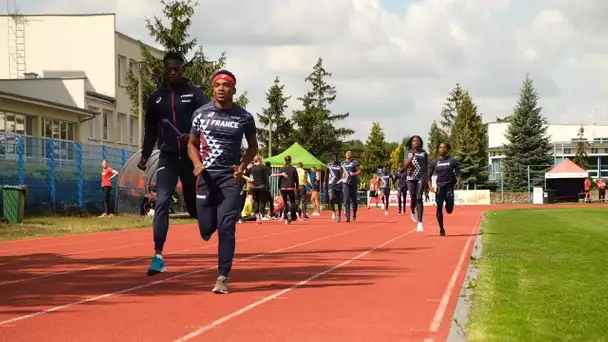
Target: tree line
[(316, 127)]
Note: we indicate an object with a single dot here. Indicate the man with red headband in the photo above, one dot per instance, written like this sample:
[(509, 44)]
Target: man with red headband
[(215, 150), (175, 100)]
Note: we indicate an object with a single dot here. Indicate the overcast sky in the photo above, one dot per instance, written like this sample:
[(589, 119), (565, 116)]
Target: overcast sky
[(395, 61)]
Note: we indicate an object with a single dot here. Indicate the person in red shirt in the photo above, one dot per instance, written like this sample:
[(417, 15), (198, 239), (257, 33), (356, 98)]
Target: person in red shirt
[(601, 184), (373, 191), (587, 190), (107, 173)]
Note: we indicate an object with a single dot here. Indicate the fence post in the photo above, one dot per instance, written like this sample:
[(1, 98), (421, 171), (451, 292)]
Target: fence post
[(502, 187), (79, 178), (529, 195), (51, 152), (104, 152), (20, 165), (123, 157)]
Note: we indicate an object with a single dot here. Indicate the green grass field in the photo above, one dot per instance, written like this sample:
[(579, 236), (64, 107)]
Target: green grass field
[(543, 277), (55, 225)]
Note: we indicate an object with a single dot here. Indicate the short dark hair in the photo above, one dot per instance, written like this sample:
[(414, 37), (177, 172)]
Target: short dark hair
[(288, 159), (447, 145), (408, 144), (225, 72), (173, 56)]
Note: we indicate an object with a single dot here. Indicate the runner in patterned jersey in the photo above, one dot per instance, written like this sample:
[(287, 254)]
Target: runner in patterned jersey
[(448, 175), (350, 185), (416, 164), (386, 180), (334, 187), (215, 149)]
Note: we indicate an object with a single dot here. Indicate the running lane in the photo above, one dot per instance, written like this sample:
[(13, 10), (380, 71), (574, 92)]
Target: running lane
[(174, 306), (397, 292)]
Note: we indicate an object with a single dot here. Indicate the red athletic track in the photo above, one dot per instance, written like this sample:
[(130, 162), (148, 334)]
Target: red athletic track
[(372, 280)]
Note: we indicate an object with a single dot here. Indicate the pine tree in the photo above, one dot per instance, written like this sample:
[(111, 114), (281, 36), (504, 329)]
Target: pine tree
[(175, 37), (450, 111), (528, 142), (281, 126), (436, 137), (580, 158), (375, 155), (469, 135), (315, 123)]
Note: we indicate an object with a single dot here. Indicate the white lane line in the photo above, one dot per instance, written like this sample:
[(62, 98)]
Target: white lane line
[(251, 306), (131, 289), (445, 299), (138, 259)]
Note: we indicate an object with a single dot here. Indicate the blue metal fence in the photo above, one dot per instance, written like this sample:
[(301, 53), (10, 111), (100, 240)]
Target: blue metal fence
[(57, 173)]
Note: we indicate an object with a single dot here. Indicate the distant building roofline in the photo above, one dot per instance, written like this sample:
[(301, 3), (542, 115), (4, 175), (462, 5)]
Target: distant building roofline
[(137, 41), (46, 103), (554, 124), (57, 14)]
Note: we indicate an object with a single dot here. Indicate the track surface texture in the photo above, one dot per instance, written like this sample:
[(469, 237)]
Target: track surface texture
[(375, 279)]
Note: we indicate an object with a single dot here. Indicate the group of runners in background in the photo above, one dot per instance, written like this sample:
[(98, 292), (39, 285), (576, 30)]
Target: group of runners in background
[(341, 181)]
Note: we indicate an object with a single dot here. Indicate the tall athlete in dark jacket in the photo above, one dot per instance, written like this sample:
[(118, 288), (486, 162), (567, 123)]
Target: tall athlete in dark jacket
[(175, 100), (448, 174)]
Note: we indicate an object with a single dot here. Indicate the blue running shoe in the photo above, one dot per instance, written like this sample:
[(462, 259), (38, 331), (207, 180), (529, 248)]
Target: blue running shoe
[(158, 265)]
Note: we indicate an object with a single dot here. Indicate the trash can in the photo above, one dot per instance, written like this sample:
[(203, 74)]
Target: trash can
[(13, 202)]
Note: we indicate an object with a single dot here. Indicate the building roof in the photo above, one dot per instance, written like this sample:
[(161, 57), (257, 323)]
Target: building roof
[(566, 169), (46, 103)]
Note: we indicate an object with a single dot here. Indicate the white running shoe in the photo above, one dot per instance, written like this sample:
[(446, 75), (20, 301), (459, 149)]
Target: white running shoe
[(333, 216), (413, 216), (419, 227)]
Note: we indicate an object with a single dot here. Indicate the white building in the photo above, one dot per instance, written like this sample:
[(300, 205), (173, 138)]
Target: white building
[(564, 139), (78, 62)]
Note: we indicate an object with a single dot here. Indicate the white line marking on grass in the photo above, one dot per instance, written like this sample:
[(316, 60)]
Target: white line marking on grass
[(243, 310), (445, 299), (131, 289)]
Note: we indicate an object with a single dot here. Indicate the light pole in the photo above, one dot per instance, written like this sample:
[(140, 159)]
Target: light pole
[(140, 102), (270, 137)]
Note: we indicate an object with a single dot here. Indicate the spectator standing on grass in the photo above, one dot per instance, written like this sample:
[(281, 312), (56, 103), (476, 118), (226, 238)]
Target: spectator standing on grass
[(107, 173), (601, 185)]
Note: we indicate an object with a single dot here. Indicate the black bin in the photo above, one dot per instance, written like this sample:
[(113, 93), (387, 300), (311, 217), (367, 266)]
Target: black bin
[(549, 196)]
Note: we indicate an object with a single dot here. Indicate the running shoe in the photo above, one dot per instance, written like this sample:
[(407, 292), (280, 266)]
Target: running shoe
[(158, 265), (221, 285)]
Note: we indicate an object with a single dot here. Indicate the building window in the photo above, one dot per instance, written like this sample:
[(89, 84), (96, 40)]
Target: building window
[(594, 150), (93, 133), (134, 130), (13, 124), (122, 70), (123, 128), (65, 133), (59, 129), (106, 120), (567, 151), (16, 123)]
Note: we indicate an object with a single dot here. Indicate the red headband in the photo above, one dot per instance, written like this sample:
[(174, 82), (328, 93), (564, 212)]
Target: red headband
[(224, 77)]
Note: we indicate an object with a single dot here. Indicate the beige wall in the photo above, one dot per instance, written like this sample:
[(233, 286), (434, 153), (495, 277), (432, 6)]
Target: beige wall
[(70, 92), (66, 46)]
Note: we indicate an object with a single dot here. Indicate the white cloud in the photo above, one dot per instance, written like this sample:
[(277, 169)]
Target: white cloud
[(399, 67)]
